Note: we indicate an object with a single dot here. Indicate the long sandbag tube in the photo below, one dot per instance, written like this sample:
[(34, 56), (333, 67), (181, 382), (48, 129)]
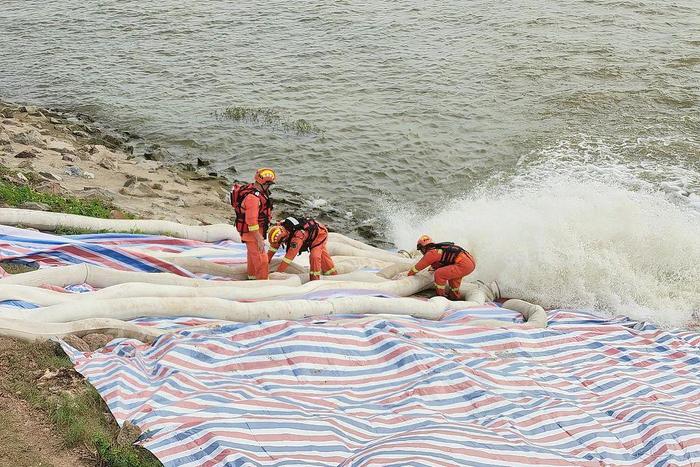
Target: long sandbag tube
[(41, 324), (50, 221), (216, 308), (32, 331), (233, 271), (534, 316), (233, 291), (341, 249), (101, 277)]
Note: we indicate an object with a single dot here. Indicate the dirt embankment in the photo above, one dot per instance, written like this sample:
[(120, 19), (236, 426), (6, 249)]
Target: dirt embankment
[(51, 416), (27, 436)]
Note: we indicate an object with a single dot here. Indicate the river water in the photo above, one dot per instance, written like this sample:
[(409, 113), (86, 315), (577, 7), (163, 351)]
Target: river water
[(559, 141)]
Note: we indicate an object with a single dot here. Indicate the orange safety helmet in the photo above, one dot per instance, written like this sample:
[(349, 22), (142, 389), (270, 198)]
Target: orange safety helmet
[(265, 175), (276, 234), (423, 241)]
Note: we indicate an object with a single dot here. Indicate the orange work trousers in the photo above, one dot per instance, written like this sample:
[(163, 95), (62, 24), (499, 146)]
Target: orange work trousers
[(320, 260), (451, 276), (257, 261)]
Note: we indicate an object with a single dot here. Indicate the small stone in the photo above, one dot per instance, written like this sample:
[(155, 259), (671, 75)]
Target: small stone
[(76, 342), (130, 181), (156, 154), (51, 187), (22, 178), (108, 164), (55, 121), (25, 154), (35, 206), (26, 164), (5, 139), (97, 341), (146, 190), (68, 157), (31, 138), (84, 156), (80, 134), (143, 179), (117, 214), (87, 174), (59, 146), (31, 110), (179, 180), (98, 193), (157, 186), (113, 141), (73, 171), (51, 177)]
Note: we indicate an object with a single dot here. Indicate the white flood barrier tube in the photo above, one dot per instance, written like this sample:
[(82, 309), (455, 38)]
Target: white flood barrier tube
[(336, 238), (50, 221), (233, 271), (32, 331), (341, 249), (43, 297), (534, 315), (97, 315), (101, 277), (216, 308)]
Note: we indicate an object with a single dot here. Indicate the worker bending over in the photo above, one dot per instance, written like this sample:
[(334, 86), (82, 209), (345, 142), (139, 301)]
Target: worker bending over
[(299, 235), (253, 206), (450, 262)]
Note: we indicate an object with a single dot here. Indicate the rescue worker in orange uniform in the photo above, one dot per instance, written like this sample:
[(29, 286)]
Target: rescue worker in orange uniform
[(253, 206), (299, 235), (450, 262)]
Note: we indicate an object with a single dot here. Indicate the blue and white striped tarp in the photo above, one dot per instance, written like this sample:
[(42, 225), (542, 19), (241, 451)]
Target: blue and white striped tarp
[(378, 391)]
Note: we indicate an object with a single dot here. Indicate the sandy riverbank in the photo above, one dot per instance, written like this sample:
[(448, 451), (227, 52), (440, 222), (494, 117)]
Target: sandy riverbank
[(64, 155)]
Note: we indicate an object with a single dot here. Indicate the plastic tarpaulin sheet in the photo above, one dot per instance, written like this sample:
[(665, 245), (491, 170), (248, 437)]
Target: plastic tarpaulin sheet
[(373, 391), (361, 390)]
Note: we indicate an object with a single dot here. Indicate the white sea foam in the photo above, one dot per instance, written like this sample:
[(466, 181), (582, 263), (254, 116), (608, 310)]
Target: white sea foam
[(584, 232)]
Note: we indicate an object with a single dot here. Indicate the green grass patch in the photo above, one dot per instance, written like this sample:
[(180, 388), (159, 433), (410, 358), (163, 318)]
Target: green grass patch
[(271, 118), (14, 195), (62, 230)]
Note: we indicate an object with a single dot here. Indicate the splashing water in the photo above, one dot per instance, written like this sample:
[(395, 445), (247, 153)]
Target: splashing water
[(585, 231)]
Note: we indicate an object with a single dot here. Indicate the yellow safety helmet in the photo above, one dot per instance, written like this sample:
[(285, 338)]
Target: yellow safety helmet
[(423, 242), (265, 175), (276, 234)]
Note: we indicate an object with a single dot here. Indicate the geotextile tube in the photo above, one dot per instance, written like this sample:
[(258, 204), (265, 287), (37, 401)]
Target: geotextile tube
[(229, 290), (50, 221), (130, 308), (32, 331), (102, 277)]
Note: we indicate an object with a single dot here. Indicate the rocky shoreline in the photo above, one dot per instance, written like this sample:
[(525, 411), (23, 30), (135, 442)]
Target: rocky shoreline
[(67, 155)]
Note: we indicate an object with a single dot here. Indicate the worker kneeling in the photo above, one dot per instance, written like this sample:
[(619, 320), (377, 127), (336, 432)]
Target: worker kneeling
[(299, 235), (450, 262)]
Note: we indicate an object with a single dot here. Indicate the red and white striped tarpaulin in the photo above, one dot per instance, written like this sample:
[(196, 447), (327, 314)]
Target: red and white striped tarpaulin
[(369, 390)]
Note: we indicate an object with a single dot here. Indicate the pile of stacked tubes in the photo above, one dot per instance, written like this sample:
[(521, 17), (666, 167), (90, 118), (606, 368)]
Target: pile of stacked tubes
[(123, 295)]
